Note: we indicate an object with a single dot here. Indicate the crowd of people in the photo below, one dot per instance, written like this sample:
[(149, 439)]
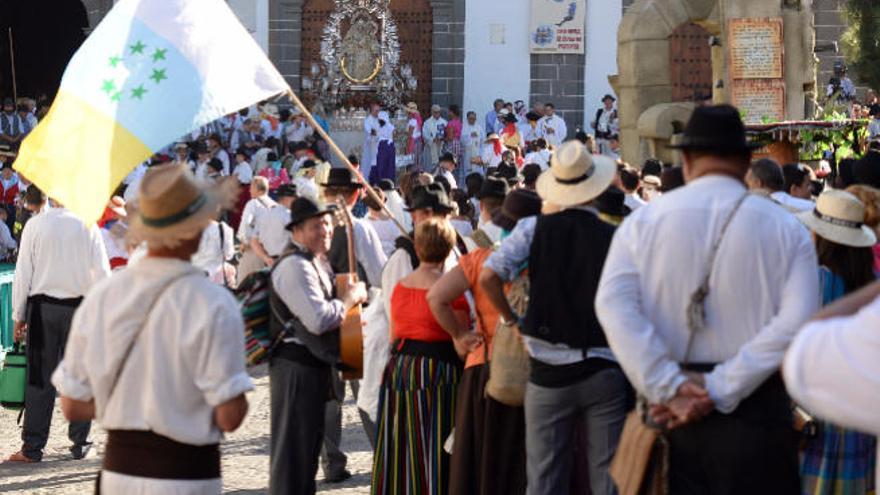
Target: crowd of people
[(522, 293)]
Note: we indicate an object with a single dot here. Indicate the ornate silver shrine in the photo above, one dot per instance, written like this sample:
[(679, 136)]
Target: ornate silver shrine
[(360, 53)]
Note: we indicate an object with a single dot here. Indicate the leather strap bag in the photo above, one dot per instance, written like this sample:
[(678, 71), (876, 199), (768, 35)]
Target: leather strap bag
[(641, 463)]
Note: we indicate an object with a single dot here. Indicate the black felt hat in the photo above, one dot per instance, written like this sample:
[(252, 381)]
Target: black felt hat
[(342, 177), (286, 191), (305, 208), (447, 157), (612, 202), (715, 128), (431, 197), (518, 204), (493, 187)]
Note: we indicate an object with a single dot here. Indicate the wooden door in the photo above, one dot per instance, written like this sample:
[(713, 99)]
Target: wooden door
[(690, 63)]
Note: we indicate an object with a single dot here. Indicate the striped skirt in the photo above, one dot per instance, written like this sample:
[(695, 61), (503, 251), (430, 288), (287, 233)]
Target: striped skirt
[(839, 461), (416, 415)]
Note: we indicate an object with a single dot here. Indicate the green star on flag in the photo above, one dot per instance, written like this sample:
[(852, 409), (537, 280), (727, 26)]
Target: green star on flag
[(159, 54), (114, 61), (138, 92), (116, 96), (109, 86), (158, 75), (138, 47)]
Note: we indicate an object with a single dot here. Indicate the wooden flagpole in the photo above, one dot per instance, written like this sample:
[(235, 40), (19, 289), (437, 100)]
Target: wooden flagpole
[(12, 63), (344, 159)]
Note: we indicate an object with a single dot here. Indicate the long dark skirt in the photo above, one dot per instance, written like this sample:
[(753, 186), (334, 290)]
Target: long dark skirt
[(416, 413), (489, 455), (386, 163)]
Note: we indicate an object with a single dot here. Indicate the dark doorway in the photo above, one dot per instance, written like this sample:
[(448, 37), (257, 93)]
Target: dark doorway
[(46, 33)]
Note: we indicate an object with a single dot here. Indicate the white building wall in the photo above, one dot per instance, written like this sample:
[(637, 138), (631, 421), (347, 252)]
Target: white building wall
[(254, 15), (496, 59), (603, 19)]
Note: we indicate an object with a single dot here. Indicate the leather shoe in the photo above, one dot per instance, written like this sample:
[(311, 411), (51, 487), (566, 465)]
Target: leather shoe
[(338, 478), (19, 457), (80, 451)]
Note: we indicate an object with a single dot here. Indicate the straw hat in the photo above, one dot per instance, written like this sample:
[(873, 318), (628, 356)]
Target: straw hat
[(492, 137), (839, 217), (412, 107), (575, 176), (271, 110), (173, 207)]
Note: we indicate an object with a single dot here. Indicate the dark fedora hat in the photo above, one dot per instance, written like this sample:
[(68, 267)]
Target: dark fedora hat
[(430, 197), (612, 202), (493, 187), (609, 97), (305, 208), (342, 177), (518, 204), (715, 128), (286, 191)]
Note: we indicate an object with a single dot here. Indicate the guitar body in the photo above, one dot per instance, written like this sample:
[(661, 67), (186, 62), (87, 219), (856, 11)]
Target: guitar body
[(351, 333), (351, 340)]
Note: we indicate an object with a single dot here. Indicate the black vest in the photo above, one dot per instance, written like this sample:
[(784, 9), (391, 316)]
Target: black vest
[(317, 350), (565, 263)]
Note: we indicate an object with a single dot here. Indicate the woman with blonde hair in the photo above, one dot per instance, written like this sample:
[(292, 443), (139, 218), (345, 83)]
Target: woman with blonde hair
[(420, 382)]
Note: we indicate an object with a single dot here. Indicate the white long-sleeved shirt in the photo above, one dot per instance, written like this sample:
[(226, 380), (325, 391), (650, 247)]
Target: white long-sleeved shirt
[(832, 369), (252, 211), (368, 250), (213, 253), (553, 129), (271, 231), (7, 243), (764, 285), (59, 257), (189, 357)]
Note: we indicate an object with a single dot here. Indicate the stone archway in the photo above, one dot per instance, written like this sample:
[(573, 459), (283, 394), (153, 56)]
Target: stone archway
[(644, 61)]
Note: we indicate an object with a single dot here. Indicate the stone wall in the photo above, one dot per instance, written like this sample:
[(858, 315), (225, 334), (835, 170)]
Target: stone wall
[(830, 26), (559, 79), (447, 71)]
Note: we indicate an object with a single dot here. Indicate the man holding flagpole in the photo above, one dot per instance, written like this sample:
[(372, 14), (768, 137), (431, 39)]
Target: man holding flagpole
[(149, 73)]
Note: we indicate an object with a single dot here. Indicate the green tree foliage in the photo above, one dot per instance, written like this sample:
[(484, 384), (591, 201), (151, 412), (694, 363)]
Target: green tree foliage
[(861, 41)]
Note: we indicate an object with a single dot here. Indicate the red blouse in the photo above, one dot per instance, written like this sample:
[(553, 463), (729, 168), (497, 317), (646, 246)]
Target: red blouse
[(411, 317)]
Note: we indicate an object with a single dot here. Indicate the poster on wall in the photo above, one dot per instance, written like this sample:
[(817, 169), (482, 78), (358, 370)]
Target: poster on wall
[(760, 101), (558, 26), (755, 48)]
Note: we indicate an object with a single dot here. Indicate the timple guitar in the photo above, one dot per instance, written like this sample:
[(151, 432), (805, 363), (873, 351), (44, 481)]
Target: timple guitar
[(351, 333)]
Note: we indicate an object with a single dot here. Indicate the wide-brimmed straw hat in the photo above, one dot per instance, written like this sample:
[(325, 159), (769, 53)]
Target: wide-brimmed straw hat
[(575, 176), (173, 207), (839, 217)]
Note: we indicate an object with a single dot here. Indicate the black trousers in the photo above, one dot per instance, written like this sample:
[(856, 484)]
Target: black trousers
[(751, 451), (298, 394), (48, 327)]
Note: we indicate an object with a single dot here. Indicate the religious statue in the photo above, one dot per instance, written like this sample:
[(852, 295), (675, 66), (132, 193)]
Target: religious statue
[(361, 55)]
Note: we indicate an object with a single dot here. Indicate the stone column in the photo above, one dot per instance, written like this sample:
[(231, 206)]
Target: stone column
[(285, 39), (559, 79), (447, 68)]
